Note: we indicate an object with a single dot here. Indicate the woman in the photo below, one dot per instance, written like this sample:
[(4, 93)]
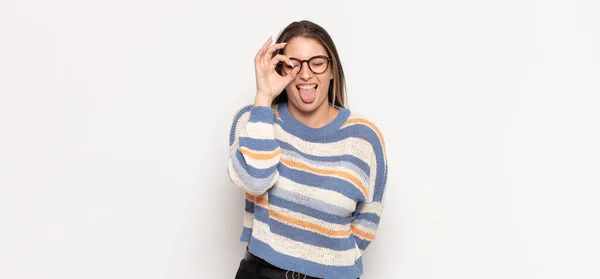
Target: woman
[(314, 173)]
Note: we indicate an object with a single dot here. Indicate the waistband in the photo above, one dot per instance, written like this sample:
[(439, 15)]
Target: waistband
[(256, 265)]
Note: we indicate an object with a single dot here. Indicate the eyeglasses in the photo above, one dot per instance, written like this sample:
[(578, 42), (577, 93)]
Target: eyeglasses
[(317, 64)]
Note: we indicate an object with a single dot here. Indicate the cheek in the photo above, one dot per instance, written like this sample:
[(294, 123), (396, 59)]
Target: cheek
[(289, 88), (325, 80)]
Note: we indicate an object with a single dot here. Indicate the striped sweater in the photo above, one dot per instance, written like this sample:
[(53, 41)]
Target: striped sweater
[(314, 196)]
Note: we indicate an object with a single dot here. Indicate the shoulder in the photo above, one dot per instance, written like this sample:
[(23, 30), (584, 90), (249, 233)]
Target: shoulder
[(240, 118), (247, 109), (240, 112), (364, 127)]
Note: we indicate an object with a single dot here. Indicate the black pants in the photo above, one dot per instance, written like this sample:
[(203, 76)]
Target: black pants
[(242, 274)]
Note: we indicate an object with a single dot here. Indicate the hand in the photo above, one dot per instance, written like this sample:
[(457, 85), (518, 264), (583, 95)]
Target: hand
[(269, 84)]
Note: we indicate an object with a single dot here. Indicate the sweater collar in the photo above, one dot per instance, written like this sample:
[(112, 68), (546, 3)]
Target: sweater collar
[(305, 132)]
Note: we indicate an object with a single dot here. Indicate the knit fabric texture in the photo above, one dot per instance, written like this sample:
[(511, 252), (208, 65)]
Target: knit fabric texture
[(313, 196)]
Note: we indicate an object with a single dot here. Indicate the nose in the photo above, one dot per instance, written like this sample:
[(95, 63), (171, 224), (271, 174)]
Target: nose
[(305, 72)]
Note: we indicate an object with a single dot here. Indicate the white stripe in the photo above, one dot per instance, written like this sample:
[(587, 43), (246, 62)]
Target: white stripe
[(365, 223), (248, 219), (317, 254), (373, 207), (240, 126), (344, 166), (339, 168), (234, 176), (353, 116), (364, 229), (247, 182), (324, 195), (360, 148), (260, 163), (309, 219), (259, 130)]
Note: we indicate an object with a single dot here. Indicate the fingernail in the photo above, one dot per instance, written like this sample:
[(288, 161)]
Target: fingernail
[(292, 65)]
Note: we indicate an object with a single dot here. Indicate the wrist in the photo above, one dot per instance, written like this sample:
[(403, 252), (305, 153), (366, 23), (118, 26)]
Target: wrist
[(264, 101)]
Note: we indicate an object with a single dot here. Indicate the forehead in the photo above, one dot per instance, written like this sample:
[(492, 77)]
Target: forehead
[(303, 48)]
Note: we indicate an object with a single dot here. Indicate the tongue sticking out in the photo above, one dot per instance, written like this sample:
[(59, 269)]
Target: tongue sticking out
[(308, 95)]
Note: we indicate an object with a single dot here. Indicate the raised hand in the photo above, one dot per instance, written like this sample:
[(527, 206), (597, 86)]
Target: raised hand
[(269, 84)]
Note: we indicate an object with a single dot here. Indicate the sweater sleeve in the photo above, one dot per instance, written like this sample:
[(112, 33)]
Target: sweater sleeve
[(253, 151), (368, 214)]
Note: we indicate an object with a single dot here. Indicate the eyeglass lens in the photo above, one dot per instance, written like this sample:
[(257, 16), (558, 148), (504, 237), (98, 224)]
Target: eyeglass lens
[(317, 64)]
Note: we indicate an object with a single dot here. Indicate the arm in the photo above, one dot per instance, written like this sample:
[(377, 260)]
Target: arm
[(368, 214), (253, 151)]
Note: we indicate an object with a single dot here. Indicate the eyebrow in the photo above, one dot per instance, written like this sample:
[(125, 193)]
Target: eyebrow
[(292, 57)]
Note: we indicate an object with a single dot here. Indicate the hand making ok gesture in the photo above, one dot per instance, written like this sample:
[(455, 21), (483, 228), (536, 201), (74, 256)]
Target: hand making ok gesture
[(269, 84)]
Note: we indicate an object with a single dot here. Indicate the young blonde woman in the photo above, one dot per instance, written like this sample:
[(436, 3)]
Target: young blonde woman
[(313, 172)]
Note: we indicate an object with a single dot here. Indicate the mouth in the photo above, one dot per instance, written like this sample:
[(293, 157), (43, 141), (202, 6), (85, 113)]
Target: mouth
[(308, 92), (307, 86)]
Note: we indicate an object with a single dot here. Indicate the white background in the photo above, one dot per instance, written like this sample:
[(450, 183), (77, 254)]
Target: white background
[(115, 117)]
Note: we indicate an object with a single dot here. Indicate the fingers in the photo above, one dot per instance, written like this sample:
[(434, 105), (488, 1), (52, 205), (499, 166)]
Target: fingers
[(293, 74), (269, 52), (263, 56), (280, 58), (261, 51)]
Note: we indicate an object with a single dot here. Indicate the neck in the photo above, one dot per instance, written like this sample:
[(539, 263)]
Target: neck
[(317, 118)]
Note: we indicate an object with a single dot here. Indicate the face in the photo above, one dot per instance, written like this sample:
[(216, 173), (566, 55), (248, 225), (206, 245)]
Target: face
[(308, 91)]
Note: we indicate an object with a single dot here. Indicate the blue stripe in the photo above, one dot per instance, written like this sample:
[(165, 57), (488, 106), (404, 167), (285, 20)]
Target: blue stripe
[(380, 181), (246, 234), (249, 206), (305, 236), (362, 243), (310, 202), (254, 172), (259, 144), (336, 159), (275, 200), (371, 217), (255, 184), (261, 114), (237, 117), (350, 168), (367, 133), (358, 130), (324, 182), (284, 261), (362, 132), (365, 223), (306, 133)]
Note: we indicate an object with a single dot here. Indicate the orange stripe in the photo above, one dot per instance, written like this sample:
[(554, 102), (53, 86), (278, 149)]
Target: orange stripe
[(368, 123), (363, 234), (277, 115), (327, 172), (261, 201), (291, 220), (261, 156), (308, 225), (287, 219)]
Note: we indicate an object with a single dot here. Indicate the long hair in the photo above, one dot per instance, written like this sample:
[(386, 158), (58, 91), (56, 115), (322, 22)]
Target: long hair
[(336, 93)]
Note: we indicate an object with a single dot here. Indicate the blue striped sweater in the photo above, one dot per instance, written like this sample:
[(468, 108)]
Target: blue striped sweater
[(314, 196)]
